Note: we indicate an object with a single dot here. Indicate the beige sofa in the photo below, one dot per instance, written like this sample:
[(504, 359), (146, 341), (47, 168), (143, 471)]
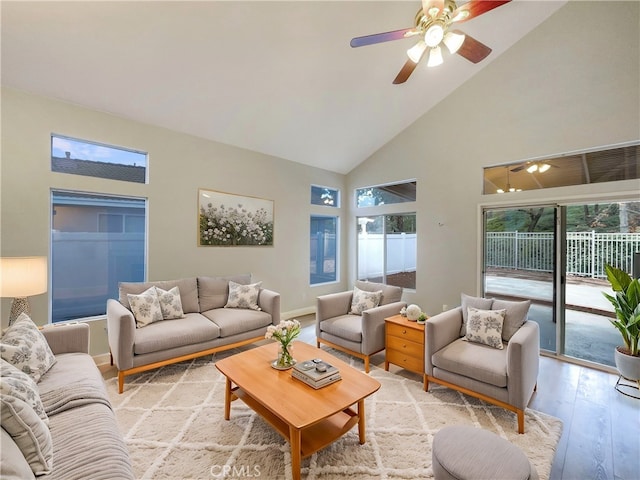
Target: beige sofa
[(85, 436), (205, 328)]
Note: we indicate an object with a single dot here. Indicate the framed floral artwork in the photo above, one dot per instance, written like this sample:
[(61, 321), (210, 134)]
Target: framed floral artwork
[(226, 220)]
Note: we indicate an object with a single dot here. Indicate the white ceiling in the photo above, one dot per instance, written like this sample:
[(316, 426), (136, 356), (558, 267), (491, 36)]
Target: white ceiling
[(274, 77)]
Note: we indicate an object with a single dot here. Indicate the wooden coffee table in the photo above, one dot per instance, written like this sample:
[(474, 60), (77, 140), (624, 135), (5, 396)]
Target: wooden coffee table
[(308, 419)]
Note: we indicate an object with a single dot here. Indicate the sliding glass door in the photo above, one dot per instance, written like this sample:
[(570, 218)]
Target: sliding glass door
[(519, 260), (555, 257)]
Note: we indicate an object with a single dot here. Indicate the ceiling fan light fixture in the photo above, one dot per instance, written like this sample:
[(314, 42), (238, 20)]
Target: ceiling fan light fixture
[(434, 35), (499, 190), (544, 167), (532, 168), (453, 41), (415, 53), (435, 57)]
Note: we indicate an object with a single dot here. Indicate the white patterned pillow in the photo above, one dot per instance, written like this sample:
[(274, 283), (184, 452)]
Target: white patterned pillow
[(170, 303), (145, 307), (485, 326), (28, 430), (362, 300), (25, 347), (243, 296), (15, 383)]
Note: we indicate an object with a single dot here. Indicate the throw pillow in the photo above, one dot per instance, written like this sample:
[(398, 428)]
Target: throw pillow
[(515, 317), (243, 296), (15, 383), (29, 432), (485, 326), (145, 307), (361, 300), (26, 348), (170, 303), (476, 302)]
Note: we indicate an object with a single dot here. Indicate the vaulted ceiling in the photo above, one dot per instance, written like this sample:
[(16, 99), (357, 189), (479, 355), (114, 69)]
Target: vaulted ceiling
[(274, 77)]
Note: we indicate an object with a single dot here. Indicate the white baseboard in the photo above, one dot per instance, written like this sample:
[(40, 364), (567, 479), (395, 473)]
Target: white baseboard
[(297, 313)]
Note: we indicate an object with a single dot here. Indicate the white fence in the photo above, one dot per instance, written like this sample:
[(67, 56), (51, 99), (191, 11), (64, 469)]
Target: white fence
[(401, 254), (587, 252)]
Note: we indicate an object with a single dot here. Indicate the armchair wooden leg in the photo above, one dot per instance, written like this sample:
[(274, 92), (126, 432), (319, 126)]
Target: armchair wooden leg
[(120, 382), (366, 364), (111, 357), (520, 414), (425, 380)]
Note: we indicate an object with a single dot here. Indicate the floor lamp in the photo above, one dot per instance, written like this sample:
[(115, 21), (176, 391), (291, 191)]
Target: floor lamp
[(22, 277)]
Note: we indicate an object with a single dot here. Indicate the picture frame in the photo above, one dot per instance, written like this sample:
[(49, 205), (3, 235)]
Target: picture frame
[(230, 220)]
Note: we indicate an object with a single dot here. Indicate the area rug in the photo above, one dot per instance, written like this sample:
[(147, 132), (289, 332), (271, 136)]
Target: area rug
[(172, 420)]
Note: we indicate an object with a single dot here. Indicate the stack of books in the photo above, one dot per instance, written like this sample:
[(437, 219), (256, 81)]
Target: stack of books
[(315, 373)]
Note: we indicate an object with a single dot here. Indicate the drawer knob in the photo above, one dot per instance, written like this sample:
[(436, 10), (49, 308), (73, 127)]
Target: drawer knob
[(404, 331)]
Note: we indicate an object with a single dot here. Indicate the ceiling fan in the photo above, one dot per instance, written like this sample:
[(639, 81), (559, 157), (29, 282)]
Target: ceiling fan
[(433, 22)]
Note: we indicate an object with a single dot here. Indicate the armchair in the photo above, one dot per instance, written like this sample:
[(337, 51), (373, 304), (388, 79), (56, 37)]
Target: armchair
[(505, 377), (362, 334)]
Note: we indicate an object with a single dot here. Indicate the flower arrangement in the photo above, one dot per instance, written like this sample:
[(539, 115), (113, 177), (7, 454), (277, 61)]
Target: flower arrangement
[(285, 332)]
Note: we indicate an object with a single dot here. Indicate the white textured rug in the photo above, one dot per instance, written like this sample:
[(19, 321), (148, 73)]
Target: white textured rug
[(173, 423)]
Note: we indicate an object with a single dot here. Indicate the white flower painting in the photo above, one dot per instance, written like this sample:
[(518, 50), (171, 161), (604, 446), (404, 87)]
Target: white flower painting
[(233, 220)]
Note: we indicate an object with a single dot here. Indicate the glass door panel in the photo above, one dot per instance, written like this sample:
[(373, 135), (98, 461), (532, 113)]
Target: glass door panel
[(597, 234), (519, 260)]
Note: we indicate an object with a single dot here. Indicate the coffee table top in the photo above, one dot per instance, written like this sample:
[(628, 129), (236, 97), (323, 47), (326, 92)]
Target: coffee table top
[(293, 401)]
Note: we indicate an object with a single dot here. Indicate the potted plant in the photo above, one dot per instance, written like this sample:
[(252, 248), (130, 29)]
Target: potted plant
[(626, 304)]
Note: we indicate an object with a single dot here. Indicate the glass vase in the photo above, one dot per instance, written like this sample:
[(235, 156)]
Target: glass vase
[(285, 356)]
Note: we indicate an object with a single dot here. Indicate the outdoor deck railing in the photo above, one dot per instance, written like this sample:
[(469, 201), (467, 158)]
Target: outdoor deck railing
[(587, 252)]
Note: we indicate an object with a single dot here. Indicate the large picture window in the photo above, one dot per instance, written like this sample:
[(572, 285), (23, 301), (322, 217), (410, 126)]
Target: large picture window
[(324, 250), (96, 242)]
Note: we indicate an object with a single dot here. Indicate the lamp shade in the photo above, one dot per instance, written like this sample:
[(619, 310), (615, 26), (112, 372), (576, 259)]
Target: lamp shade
[(23, 276)]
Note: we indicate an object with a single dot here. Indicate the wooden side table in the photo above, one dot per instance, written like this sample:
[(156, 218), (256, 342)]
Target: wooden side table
[(404, 344)]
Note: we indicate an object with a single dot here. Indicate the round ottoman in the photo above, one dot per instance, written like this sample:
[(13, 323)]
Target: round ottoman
[(466, 453)]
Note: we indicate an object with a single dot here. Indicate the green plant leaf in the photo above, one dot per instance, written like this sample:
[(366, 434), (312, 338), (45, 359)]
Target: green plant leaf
[(618, 279)]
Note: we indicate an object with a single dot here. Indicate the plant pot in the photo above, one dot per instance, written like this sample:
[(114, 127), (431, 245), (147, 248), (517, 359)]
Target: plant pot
[(627, 365)]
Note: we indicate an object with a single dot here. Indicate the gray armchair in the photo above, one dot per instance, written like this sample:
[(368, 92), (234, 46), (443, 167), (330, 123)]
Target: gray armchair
[(506, 377), (358, 335)]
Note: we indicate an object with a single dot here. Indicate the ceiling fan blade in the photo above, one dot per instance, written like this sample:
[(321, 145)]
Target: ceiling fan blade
[(383, 37), (405, 72), (475, 8), (472, 49), (429, 4), (519, 168)]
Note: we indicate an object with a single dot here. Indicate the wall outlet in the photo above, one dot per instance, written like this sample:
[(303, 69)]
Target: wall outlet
[(445, 307)]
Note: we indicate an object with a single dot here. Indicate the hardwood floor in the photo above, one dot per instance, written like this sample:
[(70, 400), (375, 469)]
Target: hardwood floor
[(601, 427)]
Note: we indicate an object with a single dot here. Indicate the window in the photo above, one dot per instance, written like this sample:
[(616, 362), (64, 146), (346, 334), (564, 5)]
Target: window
[(387, 249), (386, 194), (603, 165), (327, 197), (79, 157), (324, 249), (96, 242)]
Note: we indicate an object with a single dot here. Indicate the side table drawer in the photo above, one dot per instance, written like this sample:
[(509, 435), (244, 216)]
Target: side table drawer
[(415, 364), (406, 347), (409, 334)]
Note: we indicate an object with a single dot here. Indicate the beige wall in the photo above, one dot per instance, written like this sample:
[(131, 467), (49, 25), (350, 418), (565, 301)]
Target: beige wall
[(569, 85), (178, 165)]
